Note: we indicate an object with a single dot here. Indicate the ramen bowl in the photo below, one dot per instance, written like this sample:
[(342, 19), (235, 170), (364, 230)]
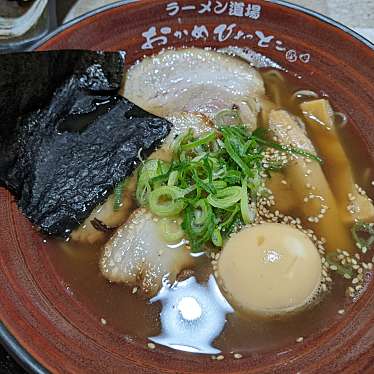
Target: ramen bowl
[(49, 329)]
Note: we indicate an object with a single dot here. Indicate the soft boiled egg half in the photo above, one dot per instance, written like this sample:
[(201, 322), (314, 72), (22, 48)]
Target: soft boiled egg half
[(269, 269)]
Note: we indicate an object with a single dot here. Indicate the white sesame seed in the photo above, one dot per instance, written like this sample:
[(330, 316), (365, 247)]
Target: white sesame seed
[(151, 345), (341, 311), (355, 281), (299, 339), (103, 321), (220, 357), (346, 276), (333, 267), (237, 355), (134, 290)]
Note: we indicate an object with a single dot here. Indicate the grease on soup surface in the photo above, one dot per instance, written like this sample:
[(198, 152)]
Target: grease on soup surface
[(250, 226)]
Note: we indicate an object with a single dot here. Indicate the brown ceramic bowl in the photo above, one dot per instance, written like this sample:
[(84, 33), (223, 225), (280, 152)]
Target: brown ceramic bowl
[(50, 330)]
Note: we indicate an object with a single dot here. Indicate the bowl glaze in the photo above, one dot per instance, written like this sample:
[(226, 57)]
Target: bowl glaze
[(52, 331)]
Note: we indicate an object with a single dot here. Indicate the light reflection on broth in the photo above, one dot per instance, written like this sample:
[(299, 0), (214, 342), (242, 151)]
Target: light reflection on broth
[(192, 315), (132, 313)]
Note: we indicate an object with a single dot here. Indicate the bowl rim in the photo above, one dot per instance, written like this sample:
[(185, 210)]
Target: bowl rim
[(284, 3), (10, 342), (19, 353)]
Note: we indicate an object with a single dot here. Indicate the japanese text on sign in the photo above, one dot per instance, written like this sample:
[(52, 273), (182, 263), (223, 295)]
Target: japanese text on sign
[(155, 37), (231, 8)]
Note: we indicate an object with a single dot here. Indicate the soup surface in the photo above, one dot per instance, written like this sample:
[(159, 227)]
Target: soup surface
[(209, 315)]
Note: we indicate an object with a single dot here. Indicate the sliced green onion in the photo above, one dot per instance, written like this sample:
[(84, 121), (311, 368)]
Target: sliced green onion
[(173, 177), (199, 157), (217, 238), (209, 169), (289, 149), (180, 139), (248, 213), (234, 155), (171, 230), (233, 177), (166, 201), (208, 138), (231, 217), (188, 190), (219, 185), (204, 185), (227, 117), (360, 228), (198, 223), (149, 170), (342, 270), (226, 197), (201, 212)]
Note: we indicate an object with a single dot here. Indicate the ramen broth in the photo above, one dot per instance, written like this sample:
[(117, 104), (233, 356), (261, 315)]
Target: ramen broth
[(130, 313)]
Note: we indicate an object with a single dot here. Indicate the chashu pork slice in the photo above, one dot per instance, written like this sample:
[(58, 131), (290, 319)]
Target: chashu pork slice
[(137, 254), (192, 80)]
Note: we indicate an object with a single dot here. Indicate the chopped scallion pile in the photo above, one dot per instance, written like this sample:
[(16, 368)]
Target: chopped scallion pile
[(212, 183)]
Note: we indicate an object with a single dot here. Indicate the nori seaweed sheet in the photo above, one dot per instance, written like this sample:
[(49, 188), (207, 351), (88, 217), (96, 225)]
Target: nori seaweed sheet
[(66, 137)]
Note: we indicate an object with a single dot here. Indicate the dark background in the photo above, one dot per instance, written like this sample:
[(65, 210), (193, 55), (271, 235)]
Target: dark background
[(7, 364)]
